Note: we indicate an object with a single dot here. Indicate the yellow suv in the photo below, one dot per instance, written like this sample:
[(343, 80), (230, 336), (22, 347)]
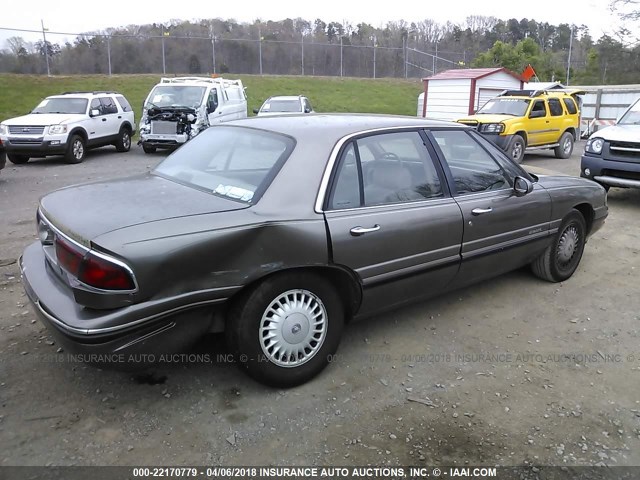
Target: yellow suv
[(519, 120)]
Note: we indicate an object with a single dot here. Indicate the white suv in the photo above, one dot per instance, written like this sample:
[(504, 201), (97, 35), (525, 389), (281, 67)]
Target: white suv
[(68, 125)]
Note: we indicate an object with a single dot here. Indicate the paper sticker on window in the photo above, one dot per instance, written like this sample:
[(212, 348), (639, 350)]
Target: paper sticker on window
[(234, 192)]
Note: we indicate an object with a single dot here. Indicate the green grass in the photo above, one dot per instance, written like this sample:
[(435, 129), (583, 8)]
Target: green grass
[(19, 94)]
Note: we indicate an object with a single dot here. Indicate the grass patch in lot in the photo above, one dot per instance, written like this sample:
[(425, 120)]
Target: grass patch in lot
[(21, 93)]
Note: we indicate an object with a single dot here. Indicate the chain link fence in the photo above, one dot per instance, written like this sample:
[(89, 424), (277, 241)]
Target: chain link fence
[(68, 54)]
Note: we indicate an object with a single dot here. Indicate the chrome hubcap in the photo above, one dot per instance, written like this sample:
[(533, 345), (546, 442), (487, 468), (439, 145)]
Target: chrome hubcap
[(567, 146), (293, 328), (78, 149), (126, 140), (568, 245)]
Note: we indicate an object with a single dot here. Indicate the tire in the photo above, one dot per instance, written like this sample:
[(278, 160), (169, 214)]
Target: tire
[(516, 148), (148, 148), (565, 149), (76, 150), (123, 144), (561, 259), (299, 295), (17, 159)]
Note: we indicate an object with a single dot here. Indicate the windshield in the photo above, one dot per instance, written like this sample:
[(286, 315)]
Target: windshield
[(232, 162), (62, 105), (505, 106), (175, 96), (632, 116), (282, 106)]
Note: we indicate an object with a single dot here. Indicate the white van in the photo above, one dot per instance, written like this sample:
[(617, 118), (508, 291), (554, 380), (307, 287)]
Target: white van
[(179, 108)]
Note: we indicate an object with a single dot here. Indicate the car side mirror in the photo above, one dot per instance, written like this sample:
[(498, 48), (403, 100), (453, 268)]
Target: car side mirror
[(307, 110), (255, 110), (537, 114), (94, 113), (522, 186)]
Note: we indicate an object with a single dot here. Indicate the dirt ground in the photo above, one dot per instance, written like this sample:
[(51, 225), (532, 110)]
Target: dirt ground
[(515, 371)]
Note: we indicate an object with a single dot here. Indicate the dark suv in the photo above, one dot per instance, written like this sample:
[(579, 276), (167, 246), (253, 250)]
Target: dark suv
[(612, 155)]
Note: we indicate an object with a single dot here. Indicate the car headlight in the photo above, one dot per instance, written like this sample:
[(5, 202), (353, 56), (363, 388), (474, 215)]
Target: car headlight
[(492, 128), (3, 130), (55, 129), (594, 145)]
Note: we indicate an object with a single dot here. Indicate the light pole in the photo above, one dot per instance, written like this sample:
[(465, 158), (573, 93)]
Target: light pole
[(375, 42), (46, 48), (260, 48), (213, 48), (109, 52), (569, 57)]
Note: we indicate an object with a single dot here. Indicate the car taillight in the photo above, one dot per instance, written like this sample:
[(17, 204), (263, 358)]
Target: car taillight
[(68, 256), (92, 269), (100, 273)]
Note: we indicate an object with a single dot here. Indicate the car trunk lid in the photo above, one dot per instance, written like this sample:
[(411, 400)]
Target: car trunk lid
[(85, 212)]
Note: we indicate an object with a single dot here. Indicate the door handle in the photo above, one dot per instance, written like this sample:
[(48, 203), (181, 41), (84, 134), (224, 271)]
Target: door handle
[(104, 119), (357, 231), (480, 211)]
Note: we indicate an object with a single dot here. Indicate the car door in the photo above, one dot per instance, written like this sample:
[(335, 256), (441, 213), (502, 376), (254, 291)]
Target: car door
[(538, 124), (215, 110), (110, 118), (97, 125), (557, 120), (391, 219), (502, 231)]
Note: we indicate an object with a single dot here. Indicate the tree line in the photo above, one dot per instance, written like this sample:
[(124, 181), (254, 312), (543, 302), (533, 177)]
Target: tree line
[(298, 46)]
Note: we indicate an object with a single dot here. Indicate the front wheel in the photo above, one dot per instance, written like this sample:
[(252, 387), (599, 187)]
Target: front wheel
[(17, 159), (285, 330), (516, 148), (560, 259), (565, 149), (76, 150), (123, 144), (148, 148)]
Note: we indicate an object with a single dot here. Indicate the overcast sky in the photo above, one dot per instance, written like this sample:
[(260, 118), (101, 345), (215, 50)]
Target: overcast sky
[(89, 15)]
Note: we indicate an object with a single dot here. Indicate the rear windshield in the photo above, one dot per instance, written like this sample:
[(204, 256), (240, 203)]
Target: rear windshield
[(233, 162), (62, 105), (282, 106), (505, 106)]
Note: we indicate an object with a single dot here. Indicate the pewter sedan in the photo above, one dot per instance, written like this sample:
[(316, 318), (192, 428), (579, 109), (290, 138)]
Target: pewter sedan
[(279, 230)]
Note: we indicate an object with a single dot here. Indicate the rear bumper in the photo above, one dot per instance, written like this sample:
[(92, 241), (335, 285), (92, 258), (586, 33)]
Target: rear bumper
[(614, 173), (151, 328)]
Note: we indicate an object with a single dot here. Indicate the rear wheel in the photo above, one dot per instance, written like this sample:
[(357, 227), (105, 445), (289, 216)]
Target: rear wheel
[(17, 159), (148, 148), (123, 144), (565, 149), (560, 259), (285, 330), (76, 150), (516, 148)]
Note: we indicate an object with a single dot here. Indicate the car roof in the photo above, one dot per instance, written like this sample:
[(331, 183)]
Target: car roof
[(285, 97), (83, 94), (337, 125)]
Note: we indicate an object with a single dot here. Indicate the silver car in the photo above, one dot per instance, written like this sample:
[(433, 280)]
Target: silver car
[(284, 105)]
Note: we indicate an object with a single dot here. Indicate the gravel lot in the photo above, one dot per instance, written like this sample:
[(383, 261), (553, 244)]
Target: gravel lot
[(514, 371)]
